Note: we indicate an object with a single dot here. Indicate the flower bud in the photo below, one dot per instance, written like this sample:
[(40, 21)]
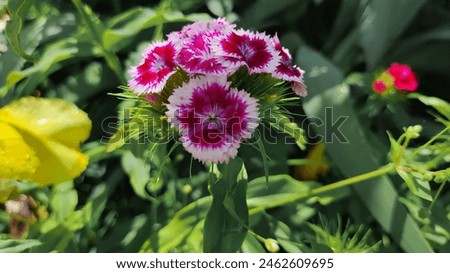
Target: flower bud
[(187, 189), (413, 132), (424, 213), (440, 178), (428, 176), (271, 245)]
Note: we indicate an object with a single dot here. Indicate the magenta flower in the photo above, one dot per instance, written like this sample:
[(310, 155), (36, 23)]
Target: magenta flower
[(379, 86), (299, 88), (285, 70), (212, 118), (158, 64), (213, 28), (194, 42), (196, 57), (404, 77), (255, 50), (152, 98)]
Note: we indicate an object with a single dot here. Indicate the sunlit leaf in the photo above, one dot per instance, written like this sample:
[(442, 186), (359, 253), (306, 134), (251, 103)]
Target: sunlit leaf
[(220, 7), (438, 104), (63, 201), (96, 29), (51, 59), (138, 171), (58, 238), (17, 10), (174, 234), (122, 29), (14, 246)]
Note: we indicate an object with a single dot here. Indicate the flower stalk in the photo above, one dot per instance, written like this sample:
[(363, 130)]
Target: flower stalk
[(330, 187)]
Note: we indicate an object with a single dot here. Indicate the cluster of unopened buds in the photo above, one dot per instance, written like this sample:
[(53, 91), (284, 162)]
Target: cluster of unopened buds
[(212, 115), (396, 77)]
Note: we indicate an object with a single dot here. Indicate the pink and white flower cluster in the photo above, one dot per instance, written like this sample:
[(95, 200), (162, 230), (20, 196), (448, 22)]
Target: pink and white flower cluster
[(211, 115)]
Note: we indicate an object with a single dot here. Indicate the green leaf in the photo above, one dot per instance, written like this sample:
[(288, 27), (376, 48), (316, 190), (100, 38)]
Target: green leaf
[(94, 25), (227, 219), (281, 189), (139, 173), (421, 40), (381, 23), (17, 9), (426, 60), (258, 14), (285, 235), (194, 241), (436, 224), (264, 157), (379, 195), (128, 234), (63, 201), (396, 149), (97, 200), (417, 187), (344, 19), (59, 237), (15, 246), (438, 104), (50, 61), (8, 189), (29, 41), (252, 245), (269, 226), (121, 30), (96, 29), (174, 234), (84, 84), (220, 8)]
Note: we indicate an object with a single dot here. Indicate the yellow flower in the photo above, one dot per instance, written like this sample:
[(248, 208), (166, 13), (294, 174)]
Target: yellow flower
[(317, 166), (40, 139)]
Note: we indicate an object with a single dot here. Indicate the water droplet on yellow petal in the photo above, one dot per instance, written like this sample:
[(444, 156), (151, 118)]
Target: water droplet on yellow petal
[(18, 157), (40, 140)]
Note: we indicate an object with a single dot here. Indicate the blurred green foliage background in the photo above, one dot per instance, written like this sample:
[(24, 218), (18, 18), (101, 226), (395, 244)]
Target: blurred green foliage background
[(81, 52)]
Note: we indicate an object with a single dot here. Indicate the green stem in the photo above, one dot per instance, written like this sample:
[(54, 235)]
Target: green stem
[(400, 155), (353, 180), (158, 33), (438, 193), (330, 187), (415, 170)]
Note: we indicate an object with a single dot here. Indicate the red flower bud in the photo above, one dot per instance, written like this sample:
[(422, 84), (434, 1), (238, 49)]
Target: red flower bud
[(404, 77)]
